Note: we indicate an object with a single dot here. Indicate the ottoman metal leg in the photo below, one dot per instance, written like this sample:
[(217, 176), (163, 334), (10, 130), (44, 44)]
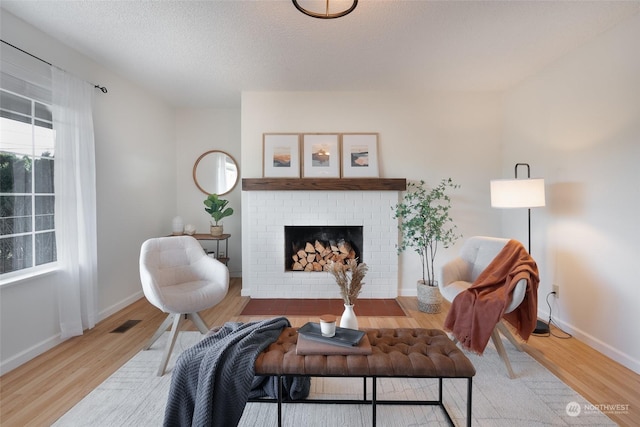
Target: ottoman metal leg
[(373, 400)]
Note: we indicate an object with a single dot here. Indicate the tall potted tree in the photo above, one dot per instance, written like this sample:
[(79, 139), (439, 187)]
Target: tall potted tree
[(425, 224), (215, 207)]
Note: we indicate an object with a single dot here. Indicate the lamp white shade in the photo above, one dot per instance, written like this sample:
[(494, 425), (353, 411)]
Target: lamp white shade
[(517, 193)]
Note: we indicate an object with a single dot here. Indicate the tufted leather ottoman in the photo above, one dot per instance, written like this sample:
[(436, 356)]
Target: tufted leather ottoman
[(406, 352)]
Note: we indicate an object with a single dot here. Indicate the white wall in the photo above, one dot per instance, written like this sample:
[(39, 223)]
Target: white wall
[(199, 131), (429, 136), (578, 124), (136, 187)]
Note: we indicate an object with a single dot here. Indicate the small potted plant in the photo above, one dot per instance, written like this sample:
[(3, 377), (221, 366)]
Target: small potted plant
[(215, 207), (425, 224)]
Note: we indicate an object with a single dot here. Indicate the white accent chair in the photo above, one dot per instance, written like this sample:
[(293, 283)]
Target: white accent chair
[(460, 273), (180, 279)]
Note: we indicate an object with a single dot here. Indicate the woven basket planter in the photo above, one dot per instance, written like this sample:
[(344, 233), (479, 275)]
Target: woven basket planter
[(429, 298)]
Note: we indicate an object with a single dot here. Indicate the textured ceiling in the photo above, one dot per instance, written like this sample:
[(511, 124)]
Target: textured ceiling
[(204, 53)]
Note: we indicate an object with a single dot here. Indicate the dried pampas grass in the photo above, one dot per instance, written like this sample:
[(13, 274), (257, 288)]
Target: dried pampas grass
[(349, 278)]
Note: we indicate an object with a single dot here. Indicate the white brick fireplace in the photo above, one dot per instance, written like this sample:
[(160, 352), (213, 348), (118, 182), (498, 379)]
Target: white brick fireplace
[(265, 215)]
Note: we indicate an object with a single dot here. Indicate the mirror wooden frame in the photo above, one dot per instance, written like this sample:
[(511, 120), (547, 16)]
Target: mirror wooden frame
[(203, 156)]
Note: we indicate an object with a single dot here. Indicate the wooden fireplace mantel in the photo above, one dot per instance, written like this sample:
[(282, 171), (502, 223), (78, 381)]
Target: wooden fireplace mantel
[(324, 184)]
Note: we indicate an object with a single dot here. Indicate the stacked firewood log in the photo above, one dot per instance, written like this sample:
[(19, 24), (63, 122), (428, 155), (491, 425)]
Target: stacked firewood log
[(315, 256)]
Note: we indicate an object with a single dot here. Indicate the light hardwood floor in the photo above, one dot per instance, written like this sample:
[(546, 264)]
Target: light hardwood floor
[(40, 391)]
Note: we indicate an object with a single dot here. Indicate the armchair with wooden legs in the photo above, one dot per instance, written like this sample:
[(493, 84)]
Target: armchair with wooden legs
[(180, 279), (459, 274)]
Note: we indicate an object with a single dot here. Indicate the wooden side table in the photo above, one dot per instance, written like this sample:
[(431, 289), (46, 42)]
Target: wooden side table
[(221, 238)]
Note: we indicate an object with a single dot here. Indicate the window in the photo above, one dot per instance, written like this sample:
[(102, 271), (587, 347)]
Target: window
[(27, 199)]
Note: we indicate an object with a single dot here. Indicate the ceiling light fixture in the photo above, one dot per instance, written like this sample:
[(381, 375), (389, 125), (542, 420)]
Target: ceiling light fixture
[(327, 10)]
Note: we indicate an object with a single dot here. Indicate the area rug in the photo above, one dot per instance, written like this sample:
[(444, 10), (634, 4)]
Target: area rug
[(319, 306), (135, 396)]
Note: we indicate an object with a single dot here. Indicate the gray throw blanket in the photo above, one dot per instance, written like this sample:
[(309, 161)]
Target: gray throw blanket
[(212, 380)]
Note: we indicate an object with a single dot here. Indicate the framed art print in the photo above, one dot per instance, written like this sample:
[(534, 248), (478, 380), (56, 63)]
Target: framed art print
[(321, 155), (360, 155), (281, 155)]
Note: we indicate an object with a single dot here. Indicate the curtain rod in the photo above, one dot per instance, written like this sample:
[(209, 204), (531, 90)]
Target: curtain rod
[(103, 89)]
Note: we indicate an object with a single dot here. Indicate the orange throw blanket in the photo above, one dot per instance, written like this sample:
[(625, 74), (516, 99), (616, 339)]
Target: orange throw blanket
[(475, 312)]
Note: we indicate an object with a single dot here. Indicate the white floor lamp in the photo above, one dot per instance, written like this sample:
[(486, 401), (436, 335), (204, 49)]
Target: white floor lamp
[(520, 193)]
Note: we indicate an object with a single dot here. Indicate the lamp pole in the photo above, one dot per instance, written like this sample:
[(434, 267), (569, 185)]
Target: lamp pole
[(528, 209), (541, 327)]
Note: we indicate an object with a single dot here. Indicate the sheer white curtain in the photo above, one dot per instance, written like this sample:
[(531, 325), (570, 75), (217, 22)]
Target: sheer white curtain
[(220, 180), (75, 209)]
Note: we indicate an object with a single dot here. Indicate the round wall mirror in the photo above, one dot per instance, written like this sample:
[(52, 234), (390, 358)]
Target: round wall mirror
[(215, 172)]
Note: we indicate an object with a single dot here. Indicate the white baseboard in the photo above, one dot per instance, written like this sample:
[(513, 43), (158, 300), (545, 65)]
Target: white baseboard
[(119, 305), (593, 342), (410, 292), (47, 344), (604, 348), (28, 354)]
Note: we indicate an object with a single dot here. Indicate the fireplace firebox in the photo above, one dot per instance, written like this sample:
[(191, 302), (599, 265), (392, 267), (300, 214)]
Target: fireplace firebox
[(310, 248)]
